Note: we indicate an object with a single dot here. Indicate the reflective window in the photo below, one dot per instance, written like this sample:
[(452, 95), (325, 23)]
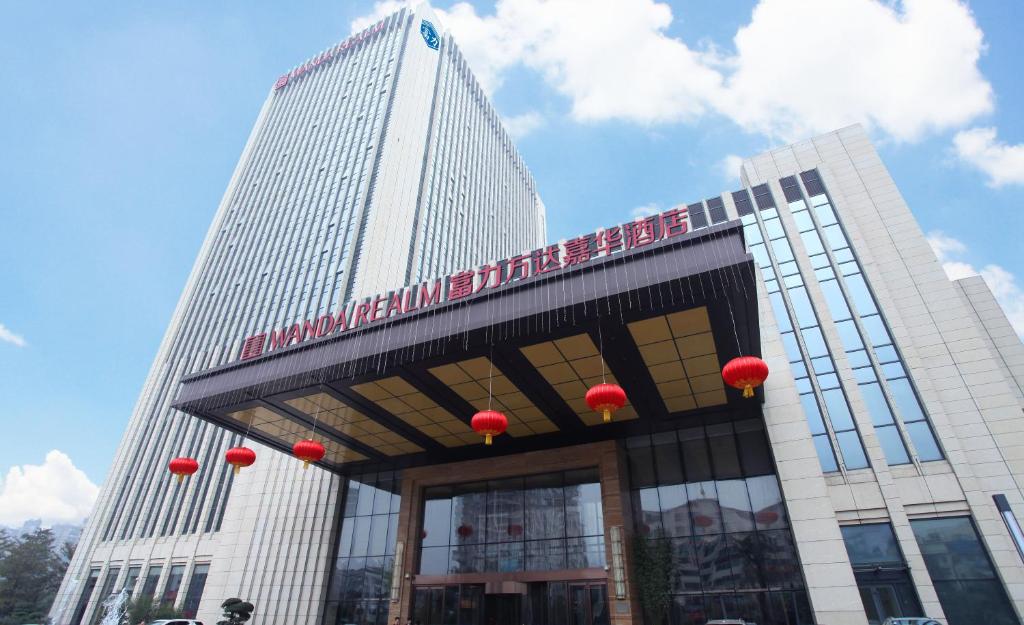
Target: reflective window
[(194, 594), (962, 573), (83, 599), (173, 584), (105, 592), (733, 553), (360, 583), (536, 523)]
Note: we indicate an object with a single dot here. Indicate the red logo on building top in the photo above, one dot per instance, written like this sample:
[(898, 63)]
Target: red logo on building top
[(281, 82)]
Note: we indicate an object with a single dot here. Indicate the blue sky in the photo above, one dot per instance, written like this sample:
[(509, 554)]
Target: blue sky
[(121, 125)]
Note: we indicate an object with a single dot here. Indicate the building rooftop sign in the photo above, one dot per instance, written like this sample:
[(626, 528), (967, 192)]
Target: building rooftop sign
[(456, 286), (328, 56)]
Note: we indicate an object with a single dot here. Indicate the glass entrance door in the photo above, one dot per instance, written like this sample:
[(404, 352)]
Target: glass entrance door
[(503, 610), (884, 600), (588, 604)]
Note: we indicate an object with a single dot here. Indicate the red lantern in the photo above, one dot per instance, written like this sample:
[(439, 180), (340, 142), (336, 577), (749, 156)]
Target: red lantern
[(182, 467), (606, 399), (766, 517), (239, 457), (490, 423), (464, 531), (308, 451), (515, 529), (745, 373), (702, 520)]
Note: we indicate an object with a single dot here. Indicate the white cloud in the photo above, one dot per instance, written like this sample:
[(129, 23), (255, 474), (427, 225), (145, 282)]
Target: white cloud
[(1002, 283), (1001, 162), (645, 211), (906, 68), (55, 491), (729, 167), (521, 125), (10, 337)]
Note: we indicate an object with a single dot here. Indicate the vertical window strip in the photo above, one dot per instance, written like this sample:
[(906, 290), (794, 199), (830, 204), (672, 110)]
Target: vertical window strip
[(885, 384), (889, 436), (808, 354)]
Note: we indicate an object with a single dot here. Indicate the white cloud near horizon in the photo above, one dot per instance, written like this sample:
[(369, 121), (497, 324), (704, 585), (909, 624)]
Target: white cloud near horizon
[(55, 492), (729, 167), (906, 69), (10, 337), (1001, 162), (1003, 283), (518, 126), (645, 211)]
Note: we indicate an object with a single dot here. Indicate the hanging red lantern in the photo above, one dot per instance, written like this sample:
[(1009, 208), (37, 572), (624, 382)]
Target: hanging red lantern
[(606, 399), (490, 423), (308, 451), (514, 530), (181, 467), (239, 457), (766, 517), (745, 372), (464, 531)]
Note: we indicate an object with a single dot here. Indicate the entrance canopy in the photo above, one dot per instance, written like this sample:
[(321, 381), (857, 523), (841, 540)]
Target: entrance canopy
[(660, 320)]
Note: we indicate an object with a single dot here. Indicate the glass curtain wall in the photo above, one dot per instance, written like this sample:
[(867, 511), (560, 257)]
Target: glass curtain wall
[(882, 574), (962, 573), (83, 599), (799, 326), (713, 494), (883, 380), (105, 592), (360, 586), (535, 523), (194, 594)]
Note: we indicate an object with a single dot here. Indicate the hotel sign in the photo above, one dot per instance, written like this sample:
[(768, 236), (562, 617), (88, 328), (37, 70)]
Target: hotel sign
[(327, 56), (457, 286)]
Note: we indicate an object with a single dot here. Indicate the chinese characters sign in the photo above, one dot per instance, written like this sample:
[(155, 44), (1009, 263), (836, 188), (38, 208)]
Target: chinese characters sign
[(327, 56), (454, 287)]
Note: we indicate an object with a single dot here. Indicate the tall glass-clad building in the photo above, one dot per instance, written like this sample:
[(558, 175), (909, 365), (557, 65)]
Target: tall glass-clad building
[(877, 472), (375, 163)]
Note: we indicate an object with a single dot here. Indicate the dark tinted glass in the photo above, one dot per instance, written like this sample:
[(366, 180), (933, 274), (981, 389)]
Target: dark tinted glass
[(872, 544), (763, 197), (742, 201), (697, 216), (717, 210)]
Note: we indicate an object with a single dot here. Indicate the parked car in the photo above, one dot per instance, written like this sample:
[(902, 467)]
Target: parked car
[(729, 621), (910, 620), (175, 621)]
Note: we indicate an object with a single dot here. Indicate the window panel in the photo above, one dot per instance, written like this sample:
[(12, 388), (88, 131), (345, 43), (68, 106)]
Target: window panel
[(878, 408), (802, 308), (906, 401), (860, 295), (812, 242), (836, 302), (814, 342), (877, 333), (675, 510), (783, 253), (872, 544), (813, 413), (923, 440), (826, 456), (853, 451), (892, 445)]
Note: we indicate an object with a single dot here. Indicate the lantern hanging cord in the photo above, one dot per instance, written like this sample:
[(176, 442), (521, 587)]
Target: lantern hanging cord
[(490, 375), (735, 334), (600, 347)]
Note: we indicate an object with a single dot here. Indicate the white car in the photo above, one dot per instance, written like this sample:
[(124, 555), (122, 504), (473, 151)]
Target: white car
[(910, 620), (175, 621)]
